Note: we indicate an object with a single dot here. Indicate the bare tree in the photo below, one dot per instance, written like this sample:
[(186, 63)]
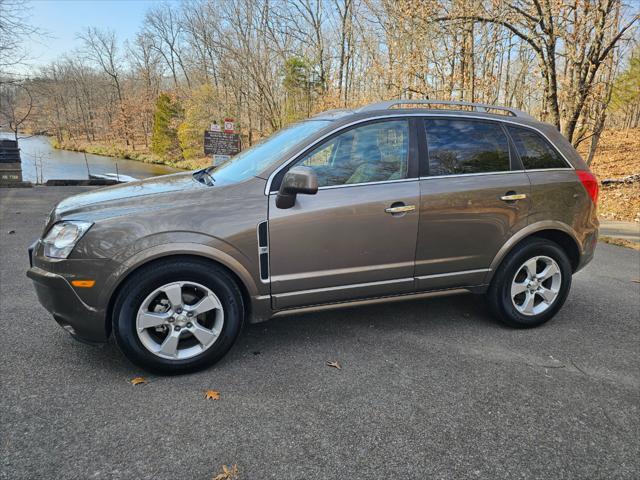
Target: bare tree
[(345, 9), (102, 47), (146, 70), (267, 63), (542, 24), (14, 30), (16, 105), (162, 24)]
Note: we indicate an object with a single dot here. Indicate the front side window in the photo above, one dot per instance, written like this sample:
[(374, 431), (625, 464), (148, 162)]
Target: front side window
[(465, 146), (262, 155), (374, 152), (535, 152)]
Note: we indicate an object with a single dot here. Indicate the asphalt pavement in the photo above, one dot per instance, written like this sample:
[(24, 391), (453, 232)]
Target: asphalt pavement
[(625, 230), (428, 389)]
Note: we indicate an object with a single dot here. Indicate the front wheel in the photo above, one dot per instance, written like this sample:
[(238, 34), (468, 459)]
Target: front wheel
[(177, 316), (531, 284)]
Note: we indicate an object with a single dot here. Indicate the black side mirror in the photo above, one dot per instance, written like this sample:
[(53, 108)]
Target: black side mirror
[(297, 180)]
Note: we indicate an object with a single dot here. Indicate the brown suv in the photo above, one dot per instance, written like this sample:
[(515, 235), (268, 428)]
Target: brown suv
[(393, 200)]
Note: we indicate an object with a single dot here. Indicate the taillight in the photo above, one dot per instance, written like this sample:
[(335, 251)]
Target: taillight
[(590, 183)]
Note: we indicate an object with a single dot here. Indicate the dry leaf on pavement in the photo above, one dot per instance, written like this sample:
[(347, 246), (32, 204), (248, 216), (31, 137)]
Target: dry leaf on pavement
[(228, 473), (212, 395), (138, 380), (334, 365)]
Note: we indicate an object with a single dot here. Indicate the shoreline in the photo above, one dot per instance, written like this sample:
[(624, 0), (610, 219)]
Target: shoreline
[(116, 151)]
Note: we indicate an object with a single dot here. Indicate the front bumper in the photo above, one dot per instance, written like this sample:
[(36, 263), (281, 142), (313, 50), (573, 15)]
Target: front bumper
[(56, 295)]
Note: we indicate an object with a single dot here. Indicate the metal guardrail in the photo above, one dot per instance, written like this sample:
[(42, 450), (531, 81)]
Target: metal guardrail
[(478, 107)]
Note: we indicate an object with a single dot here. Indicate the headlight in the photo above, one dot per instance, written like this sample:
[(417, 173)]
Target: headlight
[(62, 237)]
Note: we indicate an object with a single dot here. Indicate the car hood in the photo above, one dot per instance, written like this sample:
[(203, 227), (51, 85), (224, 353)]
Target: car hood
[(124, 198)]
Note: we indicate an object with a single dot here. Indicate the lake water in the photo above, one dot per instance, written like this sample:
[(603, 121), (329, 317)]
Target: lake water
[(63, 164)]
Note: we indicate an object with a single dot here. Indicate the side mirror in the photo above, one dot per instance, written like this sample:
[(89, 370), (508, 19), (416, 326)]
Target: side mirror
[(297, 180)]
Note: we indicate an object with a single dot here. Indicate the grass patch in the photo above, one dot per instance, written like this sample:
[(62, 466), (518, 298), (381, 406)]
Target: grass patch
[(122, 151)]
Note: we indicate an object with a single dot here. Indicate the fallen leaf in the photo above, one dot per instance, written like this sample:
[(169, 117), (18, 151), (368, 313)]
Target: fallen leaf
[(212, 395), (138, 380), (11, 232), (334, 365), (228, 473), (637, 280)]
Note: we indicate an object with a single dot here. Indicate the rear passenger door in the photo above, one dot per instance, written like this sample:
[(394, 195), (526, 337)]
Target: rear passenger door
[(474, 196)]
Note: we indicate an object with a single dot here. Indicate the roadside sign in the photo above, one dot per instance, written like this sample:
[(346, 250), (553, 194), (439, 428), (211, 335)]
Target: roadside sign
[(215, 127), (229, 125), (221, 143)]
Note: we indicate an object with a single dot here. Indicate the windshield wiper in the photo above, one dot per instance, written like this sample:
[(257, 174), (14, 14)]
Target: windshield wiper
[(205, 173)]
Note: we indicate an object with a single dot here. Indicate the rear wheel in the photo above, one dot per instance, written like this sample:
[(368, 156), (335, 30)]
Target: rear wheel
[(178, 316), (531, 284)]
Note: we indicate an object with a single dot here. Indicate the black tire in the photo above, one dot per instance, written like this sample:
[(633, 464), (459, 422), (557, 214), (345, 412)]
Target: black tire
[(499, 293), (143, 282)]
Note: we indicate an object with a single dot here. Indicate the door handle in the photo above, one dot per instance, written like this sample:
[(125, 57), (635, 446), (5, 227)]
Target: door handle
[(400, 209), (511, 197)]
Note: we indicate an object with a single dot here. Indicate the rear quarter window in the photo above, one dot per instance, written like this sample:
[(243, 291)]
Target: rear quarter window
[(535, 152)]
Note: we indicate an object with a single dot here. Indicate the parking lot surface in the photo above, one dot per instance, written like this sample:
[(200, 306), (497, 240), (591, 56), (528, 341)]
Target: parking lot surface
[(428, 388)]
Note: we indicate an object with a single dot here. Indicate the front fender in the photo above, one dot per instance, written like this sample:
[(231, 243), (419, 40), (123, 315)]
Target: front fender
[(218, 252)]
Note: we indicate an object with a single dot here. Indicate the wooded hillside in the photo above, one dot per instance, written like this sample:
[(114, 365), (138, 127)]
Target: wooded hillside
[(268, 63)]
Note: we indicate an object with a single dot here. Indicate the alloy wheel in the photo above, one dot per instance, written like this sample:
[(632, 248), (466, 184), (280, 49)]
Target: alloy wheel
[(179, 320), (536, 285)]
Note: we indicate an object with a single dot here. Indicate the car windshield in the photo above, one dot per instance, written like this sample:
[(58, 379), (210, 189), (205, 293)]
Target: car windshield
[(260, 156)]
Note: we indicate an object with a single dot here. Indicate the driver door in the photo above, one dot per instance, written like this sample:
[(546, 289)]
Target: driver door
[(350, 240)]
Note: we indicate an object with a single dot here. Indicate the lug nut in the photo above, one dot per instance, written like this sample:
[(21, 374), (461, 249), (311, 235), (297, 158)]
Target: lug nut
[(178, 310), (189, 314), (177, 328), (171, 320), (189, 325)]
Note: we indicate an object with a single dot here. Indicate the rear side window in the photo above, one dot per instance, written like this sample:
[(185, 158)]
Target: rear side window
[(534, 150), (465, 146)]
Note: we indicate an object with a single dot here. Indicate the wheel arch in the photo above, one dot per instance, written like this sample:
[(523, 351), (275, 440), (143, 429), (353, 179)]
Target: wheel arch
[(559, 233), (242, 279)]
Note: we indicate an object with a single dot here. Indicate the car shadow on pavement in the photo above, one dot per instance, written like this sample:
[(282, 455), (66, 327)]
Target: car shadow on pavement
[(364, 332), (339, 329)]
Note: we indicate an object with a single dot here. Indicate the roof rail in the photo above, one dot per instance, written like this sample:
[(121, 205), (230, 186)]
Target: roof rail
[(478, 107), (332, 114)]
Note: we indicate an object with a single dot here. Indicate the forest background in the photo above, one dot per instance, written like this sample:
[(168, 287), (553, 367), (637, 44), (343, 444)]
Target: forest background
[(268, 63)]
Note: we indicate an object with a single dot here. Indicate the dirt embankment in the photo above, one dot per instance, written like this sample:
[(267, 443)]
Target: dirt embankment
[(618, 156)]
